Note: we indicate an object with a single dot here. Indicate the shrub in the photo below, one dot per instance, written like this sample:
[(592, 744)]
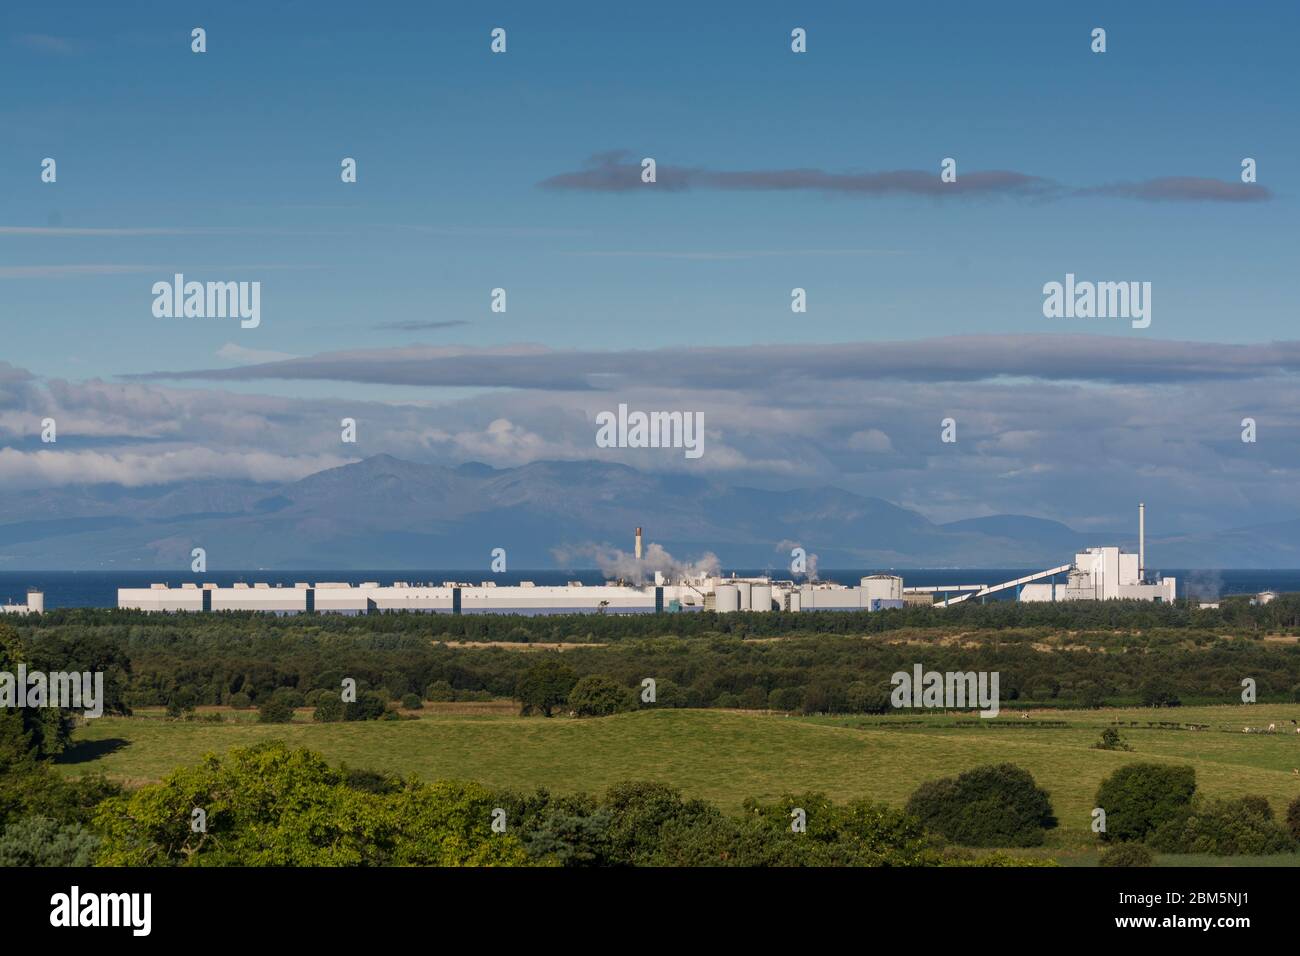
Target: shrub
[(753, 698), (544, 687), (1293, 819), (1111, 740), (1128, 854), (40, 841), (368, 706), (1253, 803), (439, 691), (862, 698), (998, 805), (1140, 797), (1158, 692), (824, 697), (329, 709), (1090, 694), (313, 697), (274, 710), (291, 696), (638, 813), (412, 701), (571, 839), (785, 698), (1222, 828), (598, 696), (240, 701)]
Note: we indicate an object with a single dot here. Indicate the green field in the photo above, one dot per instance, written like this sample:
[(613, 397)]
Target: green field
[(725, 756)]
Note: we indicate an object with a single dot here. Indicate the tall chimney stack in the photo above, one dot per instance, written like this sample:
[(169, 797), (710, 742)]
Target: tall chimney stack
[(1142, 542), (638, 544)]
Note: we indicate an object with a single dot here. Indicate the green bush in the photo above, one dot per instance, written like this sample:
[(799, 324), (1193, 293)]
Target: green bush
[(1128, 854), (40, 841), (439, 691), (1140, 797), (598, 696), (544, 687), (240, 701), (997, 805), (1111, 740), (785, 698), (863, 698), (1159, 692), (291, 696), (1222, 828), (1293, 819), (412, 701), (1091, 695), (329, 708), (753, 698), (368, 706), (274, 710)]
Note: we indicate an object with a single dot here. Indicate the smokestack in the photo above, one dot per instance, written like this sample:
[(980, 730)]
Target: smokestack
[(638, 544), (1142, 542)]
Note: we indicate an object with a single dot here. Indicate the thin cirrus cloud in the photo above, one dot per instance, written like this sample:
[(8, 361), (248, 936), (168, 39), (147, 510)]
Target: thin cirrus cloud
[(1182, 189), (1044, 357), (620, 171)]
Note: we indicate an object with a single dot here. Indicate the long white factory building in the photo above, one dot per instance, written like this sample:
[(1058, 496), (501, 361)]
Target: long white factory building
[(1097, 574), (698, 594)]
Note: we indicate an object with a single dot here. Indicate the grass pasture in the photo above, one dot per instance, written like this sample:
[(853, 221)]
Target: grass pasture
[(725, 756)]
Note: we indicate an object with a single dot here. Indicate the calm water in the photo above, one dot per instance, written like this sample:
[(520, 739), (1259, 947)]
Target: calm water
[(99, 588)]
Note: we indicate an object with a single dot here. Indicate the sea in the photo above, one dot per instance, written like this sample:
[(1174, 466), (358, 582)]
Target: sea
[(99, 588)]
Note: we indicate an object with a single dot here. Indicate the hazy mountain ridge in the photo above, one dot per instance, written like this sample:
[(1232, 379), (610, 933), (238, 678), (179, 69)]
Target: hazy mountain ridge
[(384, 512)]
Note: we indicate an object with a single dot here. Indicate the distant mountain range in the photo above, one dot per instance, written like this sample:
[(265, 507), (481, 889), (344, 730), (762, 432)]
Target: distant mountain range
[(387, 513)]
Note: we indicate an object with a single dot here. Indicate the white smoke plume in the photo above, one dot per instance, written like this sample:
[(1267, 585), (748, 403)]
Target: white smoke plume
[(616, 564), (810, 560)]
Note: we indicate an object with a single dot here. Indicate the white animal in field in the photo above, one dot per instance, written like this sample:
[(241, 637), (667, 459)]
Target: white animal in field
[(1272, 727)]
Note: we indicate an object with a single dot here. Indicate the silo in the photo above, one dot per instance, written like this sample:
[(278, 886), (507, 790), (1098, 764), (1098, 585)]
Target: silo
[(35, 602), (794, 599), (881, 587), (743, 589), (760, 597), (726, 598)]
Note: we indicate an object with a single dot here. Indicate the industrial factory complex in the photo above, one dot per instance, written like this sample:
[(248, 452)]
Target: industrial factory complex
[(1097, 574)]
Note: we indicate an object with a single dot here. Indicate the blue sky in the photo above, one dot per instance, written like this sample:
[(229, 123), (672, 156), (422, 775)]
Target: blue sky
[(225, 166)]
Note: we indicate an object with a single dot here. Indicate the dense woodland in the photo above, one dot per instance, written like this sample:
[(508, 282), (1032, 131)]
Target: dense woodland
[(1118, 653)]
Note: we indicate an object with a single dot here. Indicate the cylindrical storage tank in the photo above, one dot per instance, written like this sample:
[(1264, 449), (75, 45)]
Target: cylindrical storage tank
[(743, 589), (35, 602), (882, 587), (726, 599), (794, 600), (760, 597)]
